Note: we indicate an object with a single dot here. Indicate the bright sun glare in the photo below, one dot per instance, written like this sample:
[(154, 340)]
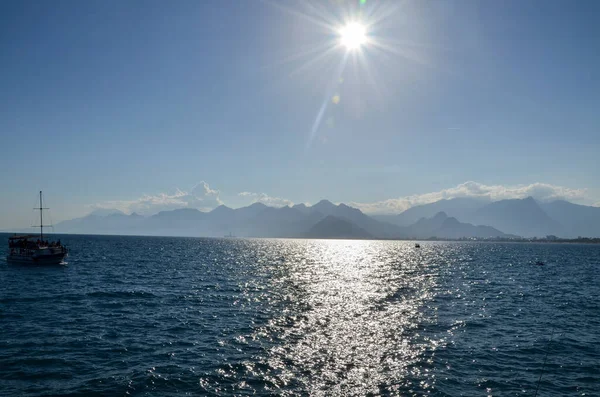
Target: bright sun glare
[(353, 35)]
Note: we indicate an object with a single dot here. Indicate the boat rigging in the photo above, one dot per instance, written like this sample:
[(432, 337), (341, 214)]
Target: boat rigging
[(23, 248)]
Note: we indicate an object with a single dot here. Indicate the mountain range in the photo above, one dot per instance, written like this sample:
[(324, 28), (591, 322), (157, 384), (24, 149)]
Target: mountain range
[(452, 219), (523, 217)]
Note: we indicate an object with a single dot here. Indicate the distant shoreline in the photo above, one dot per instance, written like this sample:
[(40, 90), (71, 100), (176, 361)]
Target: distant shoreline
[(527, 240), (583, 240)]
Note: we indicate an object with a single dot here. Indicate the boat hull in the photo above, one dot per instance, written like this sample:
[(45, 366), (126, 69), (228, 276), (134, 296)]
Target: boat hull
[(52, 259)]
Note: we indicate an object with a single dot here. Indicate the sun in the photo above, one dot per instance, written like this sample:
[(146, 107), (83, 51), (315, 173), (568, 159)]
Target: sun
[(353, 35)]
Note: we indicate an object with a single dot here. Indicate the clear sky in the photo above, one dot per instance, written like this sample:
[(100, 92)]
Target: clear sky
[(113, 103)]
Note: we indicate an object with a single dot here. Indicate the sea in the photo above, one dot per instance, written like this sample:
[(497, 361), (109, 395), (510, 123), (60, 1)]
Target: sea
[(167, 316)]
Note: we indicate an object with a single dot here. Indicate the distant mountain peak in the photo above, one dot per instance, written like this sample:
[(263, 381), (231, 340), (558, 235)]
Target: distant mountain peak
[(106, 212), (522, 217), (222, 208), (440, 215), (334, 227), (441, 225), (303, 208), (187, 209), (324, 206), (448, 222), (461, 208), (115, 215), (179, 212), (257, 205)]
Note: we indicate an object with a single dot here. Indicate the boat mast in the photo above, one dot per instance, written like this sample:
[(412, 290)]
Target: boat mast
[(41, 218)]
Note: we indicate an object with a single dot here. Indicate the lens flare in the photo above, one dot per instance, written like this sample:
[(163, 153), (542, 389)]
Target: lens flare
[(358, 34)]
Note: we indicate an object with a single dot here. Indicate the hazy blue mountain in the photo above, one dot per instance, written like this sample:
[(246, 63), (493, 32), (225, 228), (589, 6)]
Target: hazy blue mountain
[(222, 212), (461, 208), (387, 218), (106, 212), (118, 221), (114, 223), (576, 220), (179, 222), (452, 228), (256, 220), (224, 220), (278, 222), (79, 225), (334, 227), (302, 208), (250, 211), (443, 226), (295, 221), (523, 217), (357, 217), (325, 207), (427, 227), (218, 222)]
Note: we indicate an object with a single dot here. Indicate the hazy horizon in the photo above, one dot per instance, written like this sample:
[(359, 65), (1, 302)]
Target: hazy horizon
[(205, 199), (151, 205), (144, 107)]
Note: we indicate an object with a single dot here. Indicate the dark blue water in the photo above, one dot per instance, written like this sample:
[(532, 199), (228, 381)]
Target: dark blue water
[(180, 316)]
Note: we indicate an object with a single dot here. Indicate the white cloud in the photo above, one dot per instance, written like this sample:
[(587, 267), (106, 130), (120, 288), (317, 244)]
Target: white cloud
[(201, 196), (266, 199), (539, 191)]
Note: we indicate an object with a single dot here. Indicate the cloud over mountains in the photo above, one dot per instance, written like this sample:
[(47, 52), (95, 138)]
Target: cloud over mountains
[(266, 199), (201, 196), (539, 191), (205, 198)]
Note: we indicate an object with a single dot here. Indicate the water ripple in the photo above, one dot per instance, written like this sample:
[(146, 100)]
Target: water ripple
[(169, 316)]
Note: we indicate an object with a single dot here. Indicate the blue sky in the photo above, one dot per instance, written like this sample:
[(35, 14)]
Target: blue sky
[(103, 103)]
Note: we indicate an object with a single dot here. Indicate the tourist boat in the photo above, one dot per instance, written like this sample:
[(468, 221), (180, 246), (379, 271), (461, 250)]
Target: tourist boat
[(417, 245), (26, 249)]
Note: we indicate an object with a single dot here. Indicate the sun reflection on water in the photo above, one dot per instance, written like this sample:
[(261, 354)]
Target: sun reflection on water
[(350, 319)]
